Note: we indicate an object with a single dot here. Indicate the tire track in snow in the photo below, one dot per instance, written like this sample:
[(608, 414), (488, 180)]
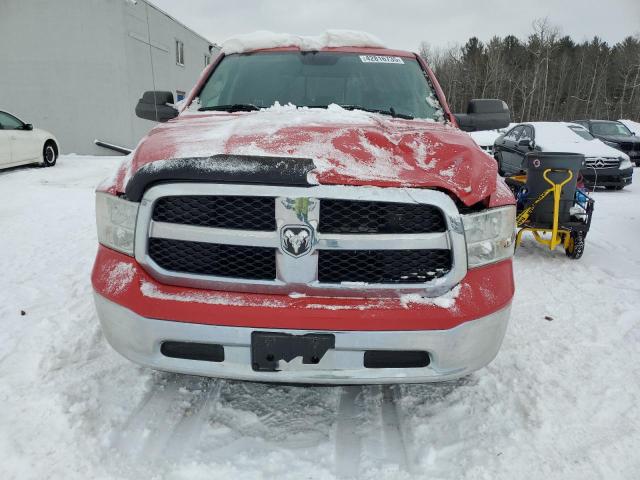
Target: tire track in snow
[(405, 430), (149, 427), (348, 443), (392, 430), (371, 431), (187, 432)]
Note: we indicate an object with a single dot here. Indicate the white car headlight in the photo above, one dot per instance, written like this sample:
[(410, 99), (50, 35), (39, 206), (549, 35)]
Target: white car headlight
[(116, 220), (490, 235), (625, 162)]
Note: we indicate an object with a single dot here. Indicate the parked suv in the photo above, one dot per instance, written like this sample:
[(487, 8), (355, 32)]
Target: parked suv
[(309, 216), (604, 165), (616, 135)]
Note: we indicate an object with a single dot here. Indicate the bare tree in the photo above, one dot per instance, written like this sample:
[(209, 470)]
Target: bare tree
[(545, 77)]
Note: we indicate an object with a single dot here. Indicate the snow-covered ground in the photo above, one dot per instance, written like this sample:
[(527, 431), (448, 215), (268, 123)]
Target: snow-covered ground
[(561, 401)]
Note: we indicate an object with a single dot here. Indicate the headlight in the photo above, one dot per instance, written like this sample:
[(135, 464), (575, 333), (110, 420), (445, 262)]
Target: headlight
[(116, 220), (490, 235), (612, 144), (625, 163)]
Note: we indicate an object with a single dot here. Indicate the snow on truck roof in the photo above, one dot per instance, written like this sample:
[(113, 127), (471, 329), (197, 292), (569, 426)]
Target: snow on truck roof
[(262, 39)]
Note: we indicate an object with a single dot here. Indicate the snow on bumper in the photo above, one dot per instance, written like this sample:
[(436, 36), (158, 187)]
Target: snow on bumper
[(453, 353), (122, 280), (461, 331)]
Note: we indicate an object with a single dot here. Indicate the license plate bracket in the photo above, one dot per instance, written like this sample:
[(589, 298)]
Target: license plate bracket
[(268, 348)]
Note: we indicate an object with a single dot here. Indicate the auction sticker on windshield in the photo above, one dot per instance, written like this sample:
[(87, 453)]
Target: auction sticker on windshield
[(380, 59)]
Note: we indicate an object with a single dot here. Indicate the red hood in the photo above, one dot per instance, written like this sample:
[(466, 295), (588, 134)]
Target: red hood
[(348, 148)]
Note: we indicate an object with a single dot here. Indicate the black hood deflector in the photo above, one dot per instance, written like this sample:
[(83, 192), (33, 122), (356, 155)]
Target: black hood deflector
[(221, 169)]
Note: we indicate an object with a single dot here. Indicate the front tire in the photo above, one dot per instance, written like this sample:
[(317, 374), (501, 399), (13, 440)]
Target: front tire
[(49, 154), (575, 249), (615, 187)]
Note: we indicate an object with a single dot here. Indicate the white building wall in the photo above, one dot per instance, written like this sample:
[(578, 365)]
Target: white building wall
[(78, 67)]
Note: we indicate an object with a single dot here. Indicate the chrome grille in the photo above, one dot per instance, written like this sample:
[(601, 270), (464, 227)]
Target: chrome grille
[(601, 162), (304, 239)]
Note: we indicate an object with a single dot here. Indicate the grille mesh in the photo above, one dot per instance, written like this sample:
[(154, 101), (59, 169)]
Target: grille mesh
[(256, 263), (349, 216), (236, 212), (382, 266)]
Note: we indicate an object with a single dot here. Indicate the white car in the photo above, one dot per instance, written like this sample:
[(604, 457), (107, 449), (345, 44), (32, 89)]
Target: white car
[(486, 138), (21, 144)]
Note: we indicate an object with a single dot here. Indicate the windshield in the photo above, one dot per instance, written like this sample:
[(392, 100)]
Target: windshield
[(581, 131), (318, 79), (610, 128)]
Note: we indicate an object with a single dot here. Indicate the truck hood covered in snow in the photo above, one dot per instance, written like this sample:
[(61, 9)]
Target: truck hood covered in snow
[(347, 148)]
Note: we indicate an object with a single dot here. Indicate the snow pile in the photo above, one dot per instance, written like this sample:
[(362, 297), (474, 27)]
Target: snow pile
[(447, 301), (333, 307), (218, 298), (331, 38)]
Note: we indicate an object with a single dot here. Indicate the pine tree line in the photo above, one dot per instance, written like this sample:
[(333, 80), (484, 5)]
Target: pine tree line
[(546, 77)]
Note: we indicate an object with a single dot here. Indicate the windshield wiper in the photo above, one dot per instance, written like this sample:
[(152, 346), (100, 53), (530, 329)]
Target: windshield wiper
[(391, 112), (236, 107), (249, 107), (395, 114)]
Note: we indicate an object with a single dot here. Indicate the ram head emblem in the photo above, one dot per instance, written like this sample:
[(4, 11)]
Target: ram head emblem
[(296, 240)]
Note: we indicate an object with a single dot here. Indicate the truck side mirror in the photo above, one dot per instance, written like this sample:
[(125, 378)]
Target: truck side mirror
[(525, 142), (153, 106), (484, 114)]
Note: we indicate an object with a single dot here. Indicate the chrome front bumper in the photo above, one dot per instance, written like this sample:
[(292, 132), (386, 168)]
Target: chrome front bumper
[(454, 353)]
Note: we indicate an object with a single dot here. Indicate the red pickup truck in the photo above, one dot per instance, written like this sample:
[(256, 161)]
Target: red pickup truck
[(309, 215)]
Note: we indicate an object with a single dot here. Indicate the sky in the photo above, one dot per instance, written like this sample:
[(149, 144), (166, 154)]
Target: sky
[(405, 24)]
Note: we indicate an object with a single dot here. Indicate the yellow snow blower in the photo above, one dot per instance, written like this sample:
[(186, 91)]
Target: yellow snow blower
[(550, 205)]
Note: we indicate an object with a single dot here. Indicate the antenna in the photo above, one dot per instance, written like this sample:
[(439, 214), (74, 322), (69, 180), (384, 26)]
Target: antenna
[(153, 73)]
